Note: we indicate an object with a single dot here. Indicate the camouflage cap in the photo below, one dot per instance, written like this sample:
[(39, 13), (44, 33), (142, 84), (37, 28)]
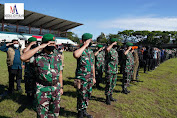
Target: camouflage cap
[(99, 46), (31, 39), (112, 40), (48, 37), (86, 36), (129, 44)]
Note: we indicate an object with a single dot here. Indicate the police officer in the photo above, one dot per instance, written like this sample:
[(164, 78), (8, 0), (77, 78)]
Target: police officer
[(99, 64), (85, 75), (111, 70), (49, 82)]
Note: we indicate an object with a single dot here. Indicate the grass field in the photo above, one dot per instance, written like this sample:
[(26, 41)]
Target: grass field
[(156, 97)]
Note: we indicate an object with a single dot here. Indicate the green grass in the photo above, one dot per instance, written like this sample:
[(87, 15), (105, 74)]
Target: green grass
[(156, 97)]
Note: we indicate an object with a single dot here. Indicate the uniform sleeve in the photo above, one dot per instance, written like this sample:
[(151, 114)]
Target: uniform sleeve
[(61, 65), (33, 60), (93, 57), (4, 48)]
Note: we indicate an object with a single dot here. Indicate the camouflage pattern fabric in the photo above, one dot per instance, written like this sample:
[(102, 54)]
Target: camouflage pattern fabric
[(48, 101), (84, 72), (111, 62), (85, 64), (100, 61), (47, 69), (84, 94), (128, 69), (111, 70), (111, 80), (47, 66), (99, 66)]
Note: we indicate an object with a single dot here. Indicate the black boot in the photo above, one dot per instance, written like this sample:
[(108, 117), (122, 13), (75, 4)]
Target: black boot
[(108, 102), (125, 91), (112, 99), (80, 114), (85, 114)]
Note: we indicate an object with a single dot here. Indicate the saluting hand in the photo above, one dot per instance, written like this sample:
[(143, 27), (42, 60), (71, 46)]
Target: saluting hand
[(130, 47), (9, 44), (100, 49), (44, 45), (87, 42), (32, 43), (115, 43)]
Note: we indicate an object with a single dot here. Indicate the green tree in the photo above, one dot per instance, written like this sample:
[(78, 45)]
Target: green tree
[(72, 36), (101, 38), (126, 34), (115, 36)]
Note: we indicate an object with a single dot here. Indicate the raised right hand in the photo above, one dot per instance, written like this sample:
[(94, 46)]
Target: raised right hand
[(130, 47), (32, 43), (9, 44), (87, 42), (44, 45), (115, 43)]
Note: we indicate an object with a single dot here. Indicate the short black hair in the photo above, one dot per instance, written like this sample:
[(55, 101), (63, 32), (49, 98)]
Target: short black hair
[(14, 40)]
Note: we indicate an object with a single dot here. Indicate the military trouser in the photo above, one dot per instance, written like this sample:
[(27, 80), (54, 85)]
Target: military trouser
[(111, 80), (127, 76), (98, 74), (48, 101), (84, 94)]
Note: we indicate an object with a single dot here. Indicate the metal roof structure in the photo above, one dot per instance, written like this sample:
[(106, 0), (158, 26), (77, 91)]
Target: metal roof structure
[(38, 20)]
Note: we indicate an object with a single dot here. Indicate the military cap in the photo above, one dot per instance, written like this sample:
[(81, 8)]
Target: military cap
[(86, 36), (31, 39), (99, 46), (129, 44), (48, 37), (112, 40)]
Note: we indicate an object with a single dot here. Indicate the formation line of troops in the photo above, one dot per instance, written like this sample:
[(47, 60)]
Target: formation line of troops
[(44, 67)]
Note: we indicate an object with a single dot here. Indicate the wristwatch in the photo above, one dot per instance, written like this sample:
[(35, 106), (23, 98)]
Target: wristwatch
[(61, 87)]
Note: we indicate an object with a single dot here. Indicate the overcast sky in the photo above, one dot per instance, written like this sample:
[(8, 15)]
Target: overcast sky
[(109, 16)]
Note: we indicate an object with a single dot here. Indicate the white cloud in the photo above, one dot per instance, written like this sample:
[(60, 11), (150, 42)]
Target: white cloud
[(162, 24)]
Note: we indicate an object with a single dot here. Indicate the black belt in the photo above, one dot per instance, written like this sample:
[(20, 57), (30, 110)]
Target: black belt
[(45, 83)]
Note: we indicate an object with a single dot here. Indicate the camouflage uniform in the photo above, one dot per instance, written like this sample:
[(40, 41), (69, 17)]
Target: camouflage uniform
[(84, 72), (47, 68), (111, 71), (99, 66), (128, 69)]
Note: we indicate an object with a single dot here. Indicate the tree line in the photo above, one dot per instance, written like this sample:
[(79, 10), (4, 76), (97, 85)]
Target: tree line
[(145, 37)]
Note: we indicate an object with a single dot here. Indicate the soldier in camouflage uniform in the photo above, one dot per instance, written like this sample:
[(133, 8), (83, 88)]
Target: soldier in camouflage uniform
[(99, 64), (128, 68), (49, 83), (85, 75), (29, 76), (111, 70)]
